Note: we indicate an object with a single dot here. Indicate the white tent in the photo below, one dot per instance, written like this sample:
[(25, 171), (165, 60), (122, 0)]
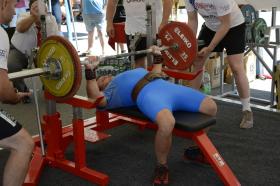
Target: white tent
[(258, 4), (261, 4)]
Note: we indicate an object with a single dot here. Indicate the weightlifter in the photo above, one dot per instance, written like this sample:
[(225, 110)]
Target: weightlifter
[(224, 28), (130, 89), (12, 135)]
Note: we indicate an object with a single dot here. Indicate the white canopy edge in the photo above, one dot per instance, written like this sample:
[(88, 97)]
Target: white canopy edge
[(261, 4), (257, 4)]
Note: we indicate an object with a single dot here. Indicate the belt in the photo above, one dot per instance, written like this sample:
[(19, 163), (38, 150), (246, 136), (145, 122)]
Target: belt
[(149, 77)]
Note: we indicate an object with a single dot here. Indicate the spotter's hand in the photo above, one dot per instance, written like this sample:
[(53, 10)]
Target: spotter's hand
[(204, 52)]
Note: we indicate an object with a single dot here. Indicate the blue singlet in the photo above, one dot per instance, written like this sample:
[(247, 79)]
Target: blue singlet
[(154, 97)]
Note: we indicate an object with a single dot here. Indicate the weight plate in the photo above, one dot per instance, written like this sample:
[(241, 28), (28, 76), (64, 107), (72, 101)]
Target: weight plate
[(249, 13), (60, 49), (180, 34), (259, 31)]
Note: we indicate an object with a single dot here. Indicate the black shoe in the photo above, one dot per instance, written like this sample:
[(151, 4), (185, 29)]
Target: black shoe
[(194, 154), (161, 176)]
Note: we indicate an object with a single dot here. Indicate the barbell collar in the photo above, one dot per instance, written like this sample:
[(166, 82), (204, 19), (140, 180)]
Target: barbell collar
[(51, 70)]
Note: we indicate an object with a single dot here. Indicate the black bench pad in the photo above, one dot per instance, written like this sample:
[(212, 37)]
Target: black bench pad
[(187, 121)]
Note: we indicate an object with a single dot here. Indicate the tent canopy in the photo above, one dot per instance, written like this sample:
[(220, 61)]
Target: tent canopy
[(258, 4)]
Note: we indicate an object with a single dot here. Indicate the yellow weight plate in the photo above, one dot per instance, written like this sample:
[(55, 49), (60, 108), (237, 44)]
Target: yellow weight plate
[(61, 50)]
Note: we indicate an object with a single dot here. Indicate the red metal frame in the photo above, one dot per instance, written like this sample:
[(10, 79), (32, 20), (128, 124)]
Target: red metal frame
[(58, 138)]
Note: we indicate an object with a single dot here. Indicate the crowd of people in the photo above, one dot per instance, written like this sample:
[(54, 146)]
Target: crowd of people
[(224, 28)]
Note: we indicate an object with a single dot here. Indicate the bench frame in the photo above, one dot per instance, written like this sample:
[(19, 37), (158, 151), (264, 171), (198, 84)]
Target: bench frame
[(199, 137)]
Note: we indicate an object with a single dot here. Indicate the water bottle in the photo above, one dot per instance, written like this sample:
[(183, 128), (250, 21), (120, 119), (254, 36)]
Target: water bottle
[(206, 84)]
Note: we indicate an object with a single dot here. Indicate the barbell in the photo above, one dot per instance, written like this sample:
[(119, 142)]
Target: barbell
[(59, 65)]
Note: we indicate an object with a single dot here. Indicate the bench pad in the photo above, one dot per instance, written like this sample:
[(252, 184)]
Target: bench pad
[(187, 121)]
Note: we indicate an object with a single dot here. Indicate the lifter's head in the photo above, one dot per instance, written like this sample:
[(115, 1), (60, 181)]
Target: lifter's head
[(103, 81), (7, 10)]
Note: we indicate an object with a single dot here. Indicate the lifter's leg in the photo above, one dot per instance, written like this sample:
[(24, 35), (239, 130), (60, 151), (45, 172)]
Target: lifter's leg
[(192, 152), (208, 106), (163, 139)]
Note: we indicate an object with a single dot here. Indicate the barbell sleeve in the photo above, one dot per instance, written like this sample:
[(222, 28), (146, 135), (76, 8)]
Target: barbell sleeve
[(26, 73)]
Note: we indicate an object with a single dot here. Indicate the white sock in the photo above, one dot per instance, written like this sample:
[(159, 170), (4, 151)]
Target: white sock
[(245, 104)]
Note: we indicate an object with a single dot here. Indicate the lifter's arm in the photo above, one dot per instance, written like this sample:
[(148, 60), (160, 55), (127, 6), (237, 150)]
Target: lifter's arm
[(157, 65), (93, 91)]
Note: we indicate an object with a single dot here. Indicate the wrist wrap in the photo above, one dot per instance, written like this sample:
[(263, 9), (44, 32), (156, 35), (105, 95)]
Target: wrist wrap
[(90, 74), (158, 59)]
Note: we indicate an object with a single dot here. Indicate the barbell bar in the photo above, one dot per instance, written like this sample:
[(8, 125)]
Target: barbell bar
[(59, 66), (53, 72), (26, 73), (146, 51), (52, 69)]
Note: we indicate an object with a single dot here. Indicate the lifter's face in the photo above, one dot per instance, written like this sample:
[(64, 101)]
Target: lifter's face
[(103, 81), (7, 10)]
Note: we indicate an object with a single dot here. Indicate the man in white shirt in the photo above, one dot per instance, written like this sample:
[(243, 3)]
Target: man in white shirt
[(136, 21), (12, 135), (25, 39), (224, 28)]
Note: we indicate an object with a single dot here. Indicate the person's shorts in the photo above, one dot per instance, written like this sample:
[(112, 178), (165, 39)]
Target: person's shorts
[(56, 11), (94, 20), (140, 45), (8, 125), (160, 94), (233, 42)]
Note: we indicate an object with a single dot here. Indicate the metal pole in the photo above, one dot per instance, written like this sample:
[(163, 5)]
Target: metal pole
[(38, 116), (222, 68), (272, 95), (73, 23), (149, 38), (273, 16), (68, 20), (50, 6)]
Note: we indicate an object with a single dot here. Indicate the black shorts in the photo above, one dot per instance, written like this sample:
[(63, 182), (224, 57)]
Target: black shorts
[(140, 45), (8, 125), (233, 42)]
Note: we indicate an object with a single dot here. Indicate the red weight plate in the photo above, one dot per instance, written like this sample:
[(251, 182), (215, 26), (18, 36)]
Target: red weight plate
[(180, 34)]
